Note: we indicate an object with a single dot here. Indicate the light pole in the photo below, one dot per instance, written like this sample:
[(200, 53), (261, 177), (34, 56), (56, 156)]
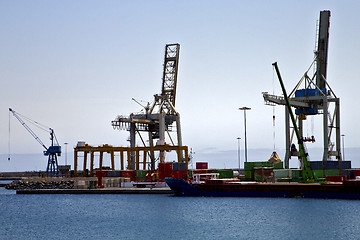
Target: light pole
[(239, 152), (66, 153), (343, 140), (244, 109)]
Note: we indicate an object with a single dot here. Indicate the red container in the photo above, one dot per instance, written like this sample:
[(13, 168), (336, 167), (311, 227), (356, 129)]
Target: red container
[(180, 175), (200, 171), (356, 172), (339, 178), (128, 174), (165, 170), (101, 173), (201, 165)]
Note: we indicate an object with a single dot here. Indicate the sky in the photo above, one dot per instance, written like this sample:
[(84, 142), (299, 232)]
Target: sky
[(76, 65)]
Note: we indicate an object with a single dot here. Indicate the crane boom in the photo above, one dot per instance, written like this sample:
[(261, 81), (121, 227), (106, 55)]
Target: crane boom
[(171, 63), (308, 174), (27, 128)]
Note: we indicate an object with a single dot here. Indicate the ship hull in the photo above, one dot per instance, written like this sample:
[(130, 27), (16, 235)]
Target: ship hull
[(280, 190)]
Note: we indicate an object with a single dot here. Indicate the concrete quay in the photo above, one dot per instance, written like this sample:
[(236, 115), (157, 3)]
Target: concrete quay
[(164, 190)]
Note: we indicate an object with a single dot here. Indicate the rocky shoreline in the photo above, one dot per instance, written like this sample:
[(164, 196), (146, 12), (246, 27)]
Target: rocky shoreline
[(40, 184)]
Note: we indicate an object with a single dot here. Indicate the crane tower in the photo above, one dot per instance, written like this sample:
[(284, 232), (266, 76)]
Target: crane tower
[(159, 116)]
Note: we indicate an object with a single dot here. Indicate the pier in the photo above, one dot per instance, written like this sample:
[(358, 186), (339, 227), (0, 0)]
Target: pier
[(164, 190)]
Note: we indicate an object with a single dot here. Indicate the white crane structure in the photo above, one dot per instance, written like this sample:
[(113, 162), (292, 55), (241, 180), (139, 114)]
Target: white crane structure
[(159, 116), (316, 97)]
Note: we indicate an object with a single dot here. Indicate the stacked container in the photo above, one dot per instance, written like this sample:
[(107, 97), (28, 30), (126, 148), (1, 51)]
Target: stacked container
[(249, 168)]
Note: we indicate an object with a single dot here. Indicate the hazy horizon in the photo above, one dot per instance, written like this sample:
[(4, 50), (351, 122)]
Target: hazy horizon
[(215, 159)]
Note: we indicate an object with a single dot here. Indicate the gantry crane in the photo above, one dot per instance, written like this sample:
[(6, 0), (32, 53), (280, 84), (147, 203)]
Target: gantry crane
[(160, 115), (52, 151), (315, 98)]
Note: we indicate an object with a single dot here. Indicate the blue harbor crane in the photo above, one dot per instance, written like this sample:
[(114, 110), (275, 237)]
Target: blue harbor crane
[(52, 151)]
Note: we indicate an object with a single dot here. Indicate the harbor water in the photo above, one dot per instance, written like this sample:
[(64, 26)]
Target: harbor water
[(167, 217)]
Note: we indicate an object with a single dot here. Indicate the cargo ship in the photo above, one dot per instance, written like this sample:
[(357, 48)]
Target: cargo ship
[(212, 186)]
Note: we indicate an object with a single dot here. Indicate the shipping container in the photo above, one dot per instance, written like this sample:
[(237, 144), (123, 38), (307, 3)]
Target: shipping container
[(201, 165), (101, 173), (263, 174), (224, 173), (180, 175), (356, 172), (332, 172), (114, 173), (318, 173), (129, 174), (179, 167), (252, 165), (317, 165), (336, 178), (165, 170), (249, 174), (282, 173), (296, 173), (141, 173)]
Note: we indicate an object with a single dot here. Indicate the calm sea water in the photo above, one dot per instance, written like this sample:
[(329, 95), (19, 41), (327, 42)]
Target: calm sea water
[(168, 217)]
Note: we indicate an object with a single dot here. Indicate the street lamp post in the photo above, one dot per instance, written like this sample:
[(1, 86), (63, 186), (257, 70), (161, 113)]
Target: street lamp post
[(239, 152), (66, 153), (343, 140), (244, 109)]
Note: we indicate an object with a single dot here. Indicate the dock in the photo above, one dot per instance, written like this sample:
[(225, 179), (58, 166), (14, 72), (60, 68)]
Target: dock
[(164, 190)]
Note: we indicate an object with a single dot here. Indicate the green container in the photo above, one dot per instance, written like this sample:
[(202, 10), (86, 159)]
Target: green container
[(249, 166), (332, 172), (296, 173), (226, 173), (91, 184), (190, 172), (267, 164), (141, 173), (252, 165), (279, 165), (282, 173), (318, 173), (249, 174)]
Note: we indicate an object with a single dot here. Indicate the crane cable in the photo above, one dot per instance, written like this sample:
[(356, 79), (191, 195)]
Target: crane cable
[(35, 123), (9, 137)]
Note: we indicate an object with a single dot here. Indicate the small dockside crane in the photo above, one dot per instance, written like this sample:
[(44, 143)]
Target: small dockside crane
[(52, 151)]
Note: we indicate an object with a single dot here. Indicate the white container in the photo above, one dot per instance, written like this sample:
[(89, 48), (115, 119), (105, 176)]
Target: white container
[(81, 144)]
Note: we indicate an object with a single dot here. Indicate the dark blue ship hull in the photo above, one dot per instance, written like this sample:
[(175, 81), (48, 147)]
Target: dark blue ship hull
[(344, 190)]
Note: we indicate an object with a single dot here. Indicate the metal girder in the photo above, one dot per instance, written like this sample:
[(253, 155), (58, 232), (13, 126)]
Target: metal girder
[(322, 51), (171, 61), (279, 100)]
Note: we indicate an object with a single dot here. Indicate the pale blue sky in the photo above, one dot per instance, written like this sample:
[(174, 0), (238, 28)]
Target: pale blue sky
[(75, 65)]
